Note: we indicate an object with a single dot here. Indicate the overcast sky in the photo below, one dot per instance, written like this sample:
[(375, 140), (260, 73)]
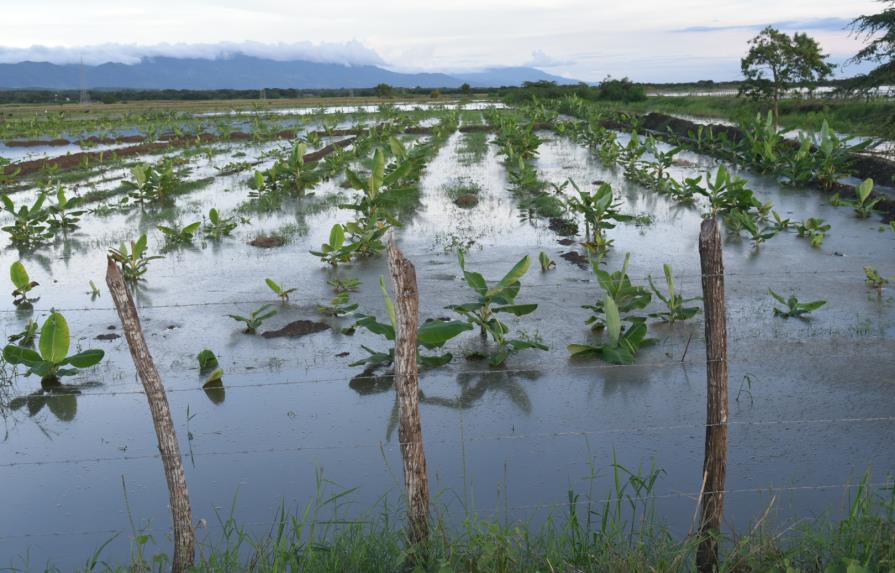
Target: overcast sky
[(647, 40)]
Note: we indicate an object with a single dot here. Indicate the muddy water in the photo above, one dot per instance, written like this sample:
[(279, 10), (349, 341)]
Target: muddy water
[(506, 443)]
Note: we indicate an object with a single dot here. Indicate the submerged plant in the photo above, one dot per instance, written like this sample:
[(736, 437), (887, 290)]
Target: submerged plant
[(814, 229), (218, 226), (431, 335), (339, 305), (64, 215), (344, 285), (625, 295), (23, 283), (279, 290), (336, 250), (49, 363), (178, 236), (546, 262), (622, 344), (674, 301), (133, 261), (255, 319), (493, 301), (794, 308), (873, 279), (26, 336), (29, 226)]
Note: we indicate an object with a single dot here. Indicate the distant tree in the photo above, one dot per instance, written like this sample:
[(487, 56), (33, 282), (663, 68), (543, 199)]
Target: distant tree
[(880, 30), (435, 94), (466, 89), (776, 61), (383, 90), (621, 90)]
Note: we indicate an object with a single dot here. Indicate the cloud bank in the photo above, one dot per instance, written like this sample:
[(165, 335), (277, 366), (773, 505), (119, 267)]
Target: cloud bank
[(346, 53)]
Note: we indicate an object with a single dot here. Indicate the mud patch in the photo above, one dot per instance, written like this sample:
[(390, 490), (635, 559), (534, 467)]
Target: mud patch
[(466, 201), (296, 329), (268, 241), (576, 258), (110, 336), (563, 227)]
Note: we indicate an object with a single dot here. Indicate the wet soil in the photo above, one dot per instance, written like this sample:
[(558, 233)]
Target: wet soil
[(297, 328)]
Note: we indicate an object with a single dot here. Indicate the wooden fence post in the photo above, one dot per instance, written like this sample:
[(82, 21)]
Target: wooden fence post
[(715, 461), (184, 535), (407, 382)]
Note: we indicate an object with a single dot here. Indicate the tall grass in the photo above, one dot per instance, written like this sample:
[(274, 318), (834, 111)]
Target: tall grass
[(620, 533)]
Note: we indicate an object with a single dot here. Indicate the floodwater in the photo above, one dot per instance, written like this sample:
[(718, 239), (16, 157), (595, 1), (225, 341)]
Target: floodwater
[(810, 401)]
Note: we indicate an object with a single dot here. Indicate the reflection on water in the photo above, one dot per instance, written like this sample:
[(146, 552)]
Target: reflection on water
[(60, 399)]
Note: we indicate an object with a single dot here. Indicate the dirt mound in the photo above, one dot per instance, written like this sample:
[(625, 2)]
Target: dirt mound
[(296, 328)]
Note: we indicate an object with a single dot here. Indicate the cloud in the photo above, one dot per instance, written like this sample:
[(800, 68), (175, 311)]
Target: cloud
[(347, 53), (797, 25), (540, 59)]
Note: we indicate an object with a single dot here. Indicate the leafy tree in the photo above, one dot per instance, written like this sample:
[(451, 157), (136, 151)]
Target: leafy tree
[(383, 90), (776, 61), (466, 89), (879, 29)]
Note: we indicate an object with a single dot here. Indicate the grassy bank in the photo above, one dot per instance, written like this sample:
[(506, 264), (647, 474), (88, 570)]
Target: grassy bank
[(622, 534), (854, 116)]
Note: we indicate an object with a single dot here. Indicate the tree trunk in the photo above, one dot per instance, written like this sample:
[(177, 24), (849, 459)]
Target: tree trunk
[(715, 460), (184, 535), (407, 381)]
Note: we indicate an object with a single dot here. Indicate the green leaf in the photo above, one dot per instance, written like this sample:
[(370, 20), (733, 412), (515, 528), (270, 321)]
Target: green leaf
[(436, 333), (584, 350), (613, 321), (476, 281), (517, 309), (435, 361), (779, 298), (336, 237), (54, 339), (274, 286), (516, 273), (18, 355), (207, 359), (19, 275), (389, 303), (85, 359)]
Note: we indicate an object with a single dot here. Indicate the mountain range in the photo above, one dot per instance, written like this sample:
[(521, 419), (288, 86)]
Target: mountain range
[(248, 72)]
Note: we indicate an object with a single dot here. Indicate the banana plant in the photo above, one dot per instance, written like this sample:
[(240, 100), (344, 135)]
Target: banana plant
[(546, 262), (794, 308), (336, 251), (813, 229), (23, 283), (217, 226), (622, 344), (29, 226), (874, 279), (51, 360), (600, 213), (674, 301), (64, 215), (134, 262), (255, 319), (25, 337), (279, 290), (431, 335), (863, 205), (493, 300), (339, 305), (627, 297), (178, 236), (748, 222)]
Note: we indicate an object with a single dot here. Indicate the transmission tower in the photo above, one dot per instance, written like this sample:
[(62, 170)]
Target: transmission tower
[(85, 95)]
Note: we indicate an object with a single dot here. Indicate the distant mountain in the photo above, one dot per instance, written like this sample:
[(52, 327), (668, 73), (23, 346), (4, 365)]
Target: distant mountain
[(510, 76), (246, 72)]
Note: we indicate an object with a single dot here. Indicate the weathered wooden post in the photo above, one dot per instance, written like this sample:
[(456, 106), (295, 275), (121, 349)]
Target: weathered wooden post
[(715, 461), (407, 382), (184, 535)]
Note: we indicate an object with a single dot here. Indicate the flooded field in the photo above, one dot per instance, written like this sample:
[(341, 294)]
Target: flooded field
[(811, 399)]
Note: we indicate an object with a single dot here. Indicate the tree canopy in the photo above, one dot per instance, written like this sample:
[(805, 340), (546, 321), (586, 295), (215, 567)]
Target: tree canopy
[(879, 29), (777, 61)]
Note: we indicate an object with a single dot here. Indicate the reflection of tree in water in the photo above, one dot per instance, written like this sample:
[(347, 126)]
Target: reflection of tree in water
[(473, 387), (60, 399)]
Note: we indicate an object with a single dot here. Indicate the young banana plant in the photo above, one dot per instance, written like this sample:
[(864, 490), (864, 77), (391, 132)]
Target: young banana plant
[(432, 335), (674, 301), (492, 301), (794, 308), (51, 360), (23, 284), (622, 344), (626, 296)]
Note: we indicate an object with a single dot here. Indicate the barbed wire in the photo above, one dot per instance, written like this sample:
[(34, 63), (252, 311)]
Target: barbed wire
[(443, 441)]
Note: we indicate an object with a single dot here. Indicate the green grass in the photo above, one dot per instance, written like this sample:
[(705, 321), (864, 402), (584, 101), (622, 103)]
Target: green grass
[(619, 534), (461, 187), (473, 148), (853, 116)]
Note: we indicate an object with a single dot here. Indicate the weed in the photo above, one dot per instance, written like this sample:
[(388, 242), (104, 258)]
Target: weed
[(873, 279)]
